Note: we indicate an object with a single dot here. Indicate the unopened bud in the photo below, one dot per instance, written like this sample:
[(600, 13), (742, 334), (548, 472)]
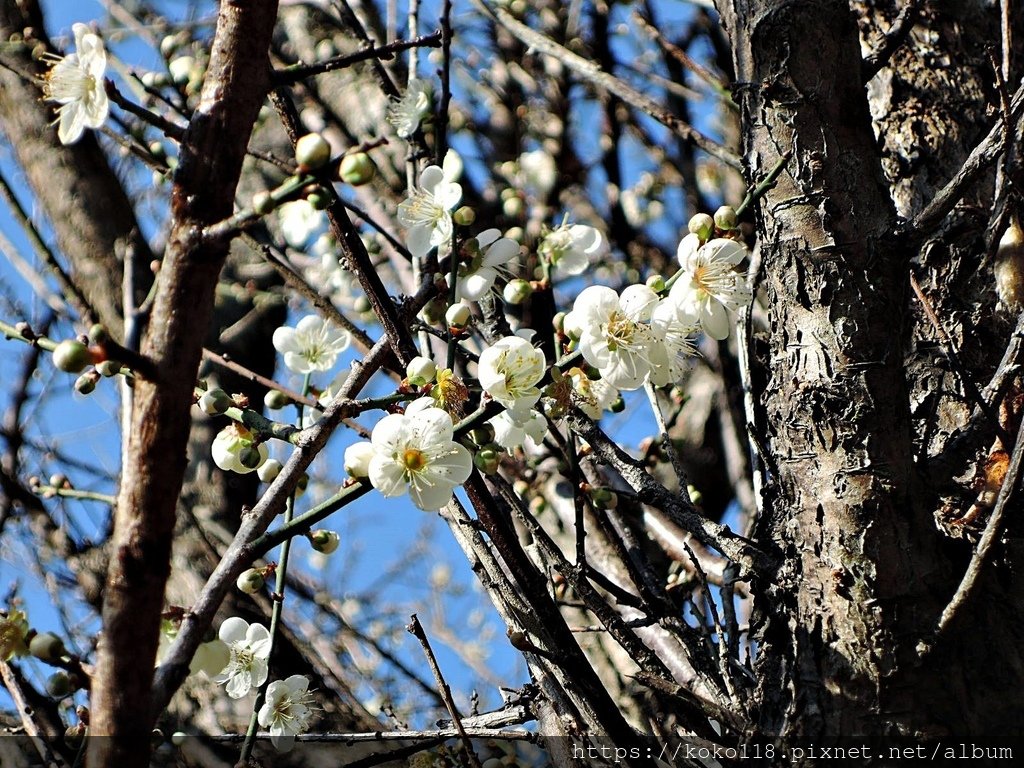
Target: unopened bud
[(312, 151), (98, 334), (702, 225), (249, 457), (275, 399), (324, 541), (464, 216), (458, 316), (656, 283), (487, 460), (58, 685), (108, 368), (725, 218), (269, 470), (86, 383), (357, 459), (251, 581), (46, 646), (356, 169), (215, 402), (420, 371), (71, 356), (517, 291), (604, 498)]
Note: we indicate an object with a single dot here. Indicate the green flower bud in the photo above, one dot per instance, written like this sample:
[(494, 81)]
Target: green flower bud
[(512, 207), (324, 541), (517, 291), (86, 383), (558, 322), (58, 685), (703, 226), (356, 169), (319, 198), (487, 460), (108, 368), (656, 283), (98, 334), (215, 402), (464, 216), (250, 457), (275, 399), (312, 151), (300, 487), (71, 356), (250, 582), (46, 646), (725, 218)]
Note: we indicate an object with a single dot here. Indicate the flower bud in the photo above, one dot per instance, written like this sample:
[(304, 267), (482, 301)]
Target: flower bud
[(464, 216), (517, 291), (58, 685), (71, 356), (108, 368), (86, 383), (302, 485), (178, 738), (324, 541), (656, 283), (512, 207), (458, 316), (703, 226), (156, 738), (1009, 267), (312, 151), (59, 480), (98, 334), (251, 581), (250, 457), (215, 402), (487, 460), (319, 198), (421, 370), (269, 470), (46, 646), (618, 405), (275, 399), (356, 169), (725, 218), (263, 203), (357, 459), (558, 322)]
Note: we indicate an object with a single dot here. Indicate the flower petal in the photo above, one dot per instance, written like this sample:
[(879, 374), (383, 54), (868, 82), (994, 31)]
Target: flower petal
[(233, 630)]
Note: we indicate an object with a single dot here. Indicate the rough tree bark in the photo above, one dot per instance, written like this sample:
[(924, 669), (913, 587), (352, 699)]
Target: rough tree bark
[(210, 163)]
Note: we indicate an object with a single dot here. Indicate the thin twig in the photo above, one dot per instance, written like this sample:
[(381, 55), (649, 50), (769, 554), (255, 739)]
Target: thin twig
[(25, 714), (893, 39), (993, 530), (609, 82), (500, 734), (225, 362), (416, 630), (296, 72)]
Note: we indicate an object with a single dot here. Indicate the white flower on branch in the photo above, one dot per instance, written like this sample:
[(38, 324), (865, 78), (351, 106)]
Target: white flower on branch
[(407, 112), (509, 371), (615, 335), (427, 211), (415, 452), (489, 256), (572, 248), (249, 645), (709, 287), (286, 711), (235, 449), (312, 345), (512, 432), (76, 83)]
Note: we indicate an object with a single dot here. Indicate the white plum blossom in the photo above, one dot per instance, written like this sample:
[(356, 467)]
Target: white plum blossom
[(676, 330), (572, 248), (312, 345), (235, 443), (415, 452), (509, 371), (593, 397), (492, 254), (407, 112), (512, 432), (615, 335), (427, 211), (249, 645), (76, 83), (709, 287), (300, 221), (286, 711)]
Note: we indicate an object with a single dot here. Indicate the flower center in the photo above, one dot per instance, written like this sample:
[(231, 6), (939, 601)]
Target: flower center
[(413, 459)]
